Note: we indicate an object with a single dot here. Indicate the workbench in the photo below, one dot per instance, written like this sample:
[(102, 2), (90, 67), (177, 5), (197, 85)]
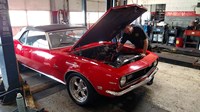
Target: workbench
[(194, 35)]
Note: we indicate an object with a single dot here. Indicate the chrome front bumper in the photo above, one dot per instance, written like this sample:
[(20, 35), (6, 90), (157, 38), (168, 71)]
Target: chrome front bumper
[(152, 72)]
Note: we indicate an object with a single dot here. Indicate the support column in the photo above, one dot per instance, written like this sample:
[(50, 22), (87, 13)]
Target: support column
[(84, 10), (8, 63), (113, 3), (109, 4)]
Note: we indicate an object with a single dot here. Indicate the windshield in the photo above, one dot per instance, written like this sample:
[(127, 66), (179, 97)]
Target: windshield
[(65, 37)]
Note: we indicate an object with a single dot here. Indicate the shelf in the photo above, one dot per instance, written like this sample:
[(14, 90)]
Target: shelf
[(195, 33), (191, 43)]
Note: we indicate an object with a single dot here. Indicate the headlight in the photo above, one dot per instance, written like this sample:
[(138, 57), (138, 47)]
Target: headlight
[(155, 63), (123, 81)]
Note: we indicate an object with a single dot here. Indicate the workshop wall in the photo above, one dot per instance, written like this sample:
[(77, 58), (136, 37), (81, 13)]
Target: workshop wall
[(95, 9), (180, 12), (29, 5), (25, 12)]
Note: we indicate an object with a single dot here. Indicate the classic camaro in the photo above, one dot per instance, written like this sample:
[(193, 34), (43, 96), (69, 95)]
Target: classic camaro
[(86, 60)]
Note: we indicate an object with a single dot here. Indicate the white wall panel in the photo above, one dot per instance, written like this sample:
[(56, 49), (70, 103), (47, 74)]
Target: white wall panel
[(18, 18), (75, 5), (16, 4), (183, 5), (57, 4), (43, 19), (38, 4), (152, 1), (132, 1), (96, 6), (76, 18), (93, 16), (29, 4), (174, 5), (29, 12)]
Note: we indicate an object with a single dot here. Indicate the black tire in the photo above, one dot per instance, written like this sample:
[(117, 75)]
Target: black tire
[(77, 81)]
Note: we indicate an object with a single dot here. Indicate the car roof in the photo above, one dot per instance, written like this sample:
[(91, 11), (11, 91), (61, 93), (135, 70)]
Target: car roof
[(47, 28)]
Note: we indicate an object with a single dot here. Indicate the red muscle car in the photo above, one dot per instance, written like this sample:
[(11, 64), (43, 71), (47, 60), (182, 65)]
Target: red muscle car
[(86, 60)]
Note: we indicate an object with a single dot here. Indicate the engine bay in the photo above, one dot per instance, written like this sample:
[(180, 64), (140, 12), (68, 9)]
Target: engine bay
[(108, 55)]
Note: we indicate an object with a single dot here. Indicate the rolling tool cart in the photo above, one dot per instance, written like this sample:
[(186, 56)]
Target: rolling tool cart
[(192, 39), (171, 37), (158, 35)]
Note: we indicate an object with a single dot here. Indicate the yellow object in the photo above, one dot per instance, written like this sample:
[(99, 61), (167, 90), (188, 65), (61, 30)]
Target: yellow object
[(177, 41)]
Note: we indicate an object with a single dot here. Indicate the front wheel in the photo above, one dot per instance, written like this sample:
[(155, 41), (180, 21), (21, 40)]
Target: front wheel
[(80, 90)]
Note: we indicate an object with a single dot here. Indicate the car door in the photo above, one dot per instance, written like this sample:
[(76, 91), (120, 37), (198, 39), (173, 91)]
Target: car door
[(34, 52), (40, 55), (22, 49)]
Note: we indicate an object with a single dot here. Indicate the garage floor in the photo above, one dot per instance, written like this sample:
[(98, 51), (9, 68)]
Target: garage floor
[(175, 89)]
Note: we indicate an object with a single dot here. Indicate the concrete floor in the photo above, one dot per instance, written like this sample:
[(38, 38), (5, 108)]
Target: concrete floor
[(175, 89)]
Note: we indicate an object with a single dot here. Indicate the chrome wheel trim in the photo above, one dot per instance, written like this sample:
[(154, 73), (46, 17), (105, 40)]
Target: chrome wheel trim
[(78, 89)]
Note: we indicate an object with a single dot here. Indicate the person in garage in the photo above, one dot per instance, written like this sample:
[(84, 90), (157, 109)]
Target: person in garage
[(136, 35)]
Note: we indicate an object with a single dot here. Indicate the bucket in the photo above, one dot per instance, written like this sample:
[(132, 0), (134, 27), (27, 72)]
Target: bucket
[(179, 42)]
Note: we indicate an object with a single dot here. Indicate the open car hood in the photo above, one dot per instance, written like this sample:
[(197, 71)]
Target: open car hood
[(110, 24)]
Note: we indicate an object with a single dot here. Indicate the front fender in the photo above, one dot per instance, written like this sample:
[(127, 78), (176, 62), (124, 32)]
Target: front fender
[(101, 76)]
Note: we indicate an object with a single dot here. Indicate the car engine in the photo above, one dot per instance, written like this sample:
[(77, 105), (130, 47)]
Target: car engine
[(108, 55)]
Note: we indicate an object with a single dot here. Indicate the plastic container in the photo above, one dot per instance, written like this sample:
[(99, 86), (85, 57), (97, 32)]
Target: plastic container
[(20, 103), (179, 42)]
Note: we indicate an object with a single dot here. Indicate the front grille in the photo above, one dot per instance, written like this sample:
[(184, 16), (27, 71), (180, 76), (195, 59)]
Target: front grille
[(134, 76)]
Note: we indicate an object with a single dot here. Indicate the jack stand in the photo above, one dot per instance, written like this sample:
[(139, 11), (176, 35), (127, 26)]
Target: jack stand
[(30, 105), (22, 107), (28, 96)]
